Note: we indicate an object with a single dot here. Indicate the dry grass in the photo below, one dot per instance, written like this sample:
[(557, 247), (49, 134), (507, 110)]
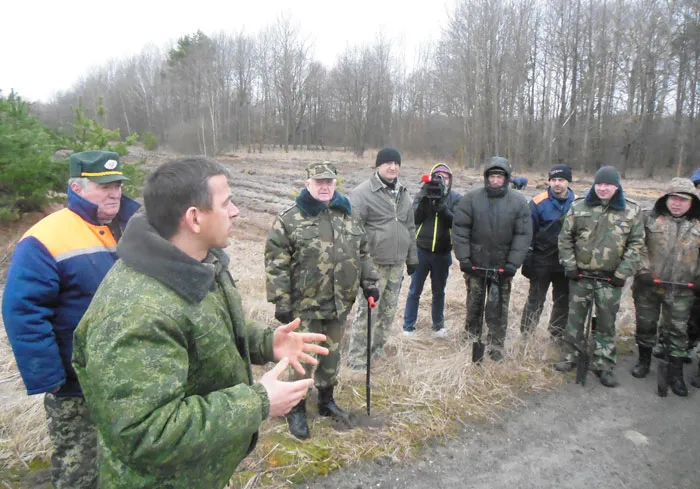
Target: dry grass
[(425, 390)]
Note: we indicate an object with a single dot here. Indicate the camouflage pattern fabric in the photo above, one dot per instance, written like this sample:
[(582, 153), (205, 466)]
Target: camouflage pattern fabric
[(601, 238), (606, 304), (672, 249), (497, 291), (673, 306), (316, 259), (74, 441), (326, 372), (390, 279), (169, 381)]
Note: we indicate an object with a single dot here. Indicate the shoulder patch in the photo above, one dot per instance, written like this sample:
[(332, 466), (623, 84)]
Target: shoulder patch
[(540, 197)]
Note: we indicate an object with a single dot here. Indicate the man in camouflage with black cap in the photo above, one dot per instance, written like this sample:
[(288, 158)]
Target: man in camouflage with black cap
[(600, 245), (671, 256), (316, 259), (55, 270)]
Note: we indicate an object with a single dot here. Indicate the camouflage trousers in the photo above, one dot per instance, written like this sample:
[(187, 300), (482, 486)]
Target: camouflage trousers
[(490, 298), (606, 304), (74, 441), (326, 372), (652, 303), (390, 278)]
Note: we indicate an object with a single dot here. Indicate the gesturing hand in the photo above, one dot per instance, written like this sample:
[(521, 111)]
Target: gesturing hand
[(283, 395), (297, 346)]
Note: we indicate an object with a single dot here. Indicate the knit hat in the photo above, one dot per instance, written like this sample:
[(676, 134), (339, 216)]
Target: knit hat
[(560, 171), (442, 168), (97, 166), (609, 175), (387, 155)]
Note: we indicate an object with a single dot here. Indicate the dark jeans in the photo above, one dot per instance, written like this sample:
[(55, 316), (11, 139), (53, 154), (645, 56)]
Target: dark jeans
[(438, 266), (539, 284)]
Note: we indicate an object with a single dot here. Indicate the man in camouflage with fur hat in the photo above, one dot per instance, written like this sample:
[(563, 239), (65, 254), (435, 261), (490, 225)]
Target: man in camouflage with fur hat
[(671, 256), (602, 237), (316, 259)]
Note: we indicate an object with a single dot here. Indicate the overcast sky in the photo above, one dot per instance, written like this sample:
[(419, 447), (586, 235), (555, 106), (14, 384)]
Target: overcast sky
[(45, 46)]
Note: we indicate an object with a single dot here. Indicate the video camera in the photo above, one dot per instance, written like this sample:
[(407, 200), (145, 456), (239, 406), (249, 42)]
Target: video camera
[(434, 185)]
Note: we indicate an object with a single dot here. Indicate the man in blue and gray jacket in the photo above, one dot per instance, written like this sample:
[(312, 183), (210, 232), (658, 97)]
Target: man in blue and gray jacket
[(542, 265)]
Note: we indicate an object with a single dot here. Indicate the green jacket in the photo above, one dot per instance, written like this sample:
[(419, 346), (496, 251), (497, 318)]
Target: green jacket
[(316, 258), (387, 216), (602, 238), (672, 249), (163, 354)]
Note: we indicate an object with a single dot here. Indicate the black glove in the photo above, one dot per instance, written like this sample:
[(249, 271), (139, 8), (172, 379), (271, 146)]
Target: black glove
[(438, 205), (617, 282), (645, 278), (572, 274), (371, 292), (411, 269), (509, 270), (284, 317), (467, 266)]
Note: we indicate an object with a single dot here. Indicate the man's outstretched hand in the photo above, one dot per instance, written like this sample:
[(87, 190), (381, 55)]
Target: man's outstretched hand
[(287, 343), (283, 395)]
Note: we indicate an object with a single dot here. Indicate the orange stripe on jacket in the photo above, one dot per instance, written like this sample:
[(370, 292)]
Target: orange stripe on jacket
[(65, 232), (540, 197)]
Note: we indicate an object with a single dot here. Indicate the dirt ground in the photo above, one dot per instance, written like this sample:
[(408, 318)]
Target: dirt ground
[(576, 438)]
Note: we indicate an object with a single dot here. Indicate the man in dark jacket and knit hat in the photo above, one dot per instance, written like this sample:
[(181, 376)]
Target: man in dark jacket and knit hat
[(492, 231), (433, 211)]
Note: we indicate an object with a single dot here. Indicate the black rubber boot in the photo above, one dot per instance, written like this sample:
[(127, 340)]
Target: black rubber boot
[(296, 419), (659, 350), (607, 378), (675, 377), (695, 381), (328, 407), (642, 368)]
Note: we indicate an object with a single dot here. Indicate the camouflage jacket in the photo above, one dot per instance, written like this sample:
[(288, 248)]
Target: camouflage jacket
[(316, 257), (602, 238), (163, 354), (672, 244)]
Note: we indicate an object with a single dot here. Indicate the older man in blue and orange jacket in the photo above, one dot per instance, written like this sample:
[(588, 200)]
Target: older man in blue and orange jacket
[(56, 269)]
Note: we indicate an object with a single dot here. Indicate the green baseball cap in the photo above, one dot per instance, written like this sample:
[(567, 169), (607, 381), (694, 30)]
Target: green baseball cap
[(318, 171), (97, 166)]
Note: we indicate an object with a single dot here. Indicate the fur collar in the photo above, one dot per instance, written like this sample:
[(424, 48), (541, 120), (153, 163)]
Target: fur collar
[(617, 201), (312, 207)]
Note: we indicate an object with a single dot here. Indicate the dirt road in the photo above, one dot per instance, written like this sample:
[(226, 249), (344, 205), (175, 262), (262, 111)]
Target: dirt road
[(575, 437)]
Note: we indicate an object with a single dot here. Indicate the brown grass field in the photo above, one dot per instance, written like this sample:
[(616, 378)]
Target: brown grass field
[(426, 389)]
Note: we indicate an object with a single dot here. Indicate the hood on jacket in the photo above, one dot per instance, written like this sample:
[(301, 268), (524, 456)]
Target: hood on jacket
[(682, 186), (494, 163), (443, 168)]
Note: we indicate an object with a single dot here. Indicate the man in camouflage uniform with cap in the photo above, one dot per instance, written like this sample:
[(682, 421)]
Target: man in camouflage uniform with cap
[(602, 237), (316, 259), (56, 268), (384, 208), (671, 255)]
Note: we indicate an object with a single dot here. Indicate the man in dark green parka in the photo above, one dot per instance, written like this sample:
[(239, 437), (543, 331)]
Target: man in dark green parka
[(164, 352)]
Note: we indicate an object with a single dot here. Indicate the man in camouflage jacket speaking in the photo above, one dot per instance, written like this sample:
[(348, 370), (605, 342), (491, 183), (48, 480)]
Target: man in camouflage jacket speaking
[(164, 351), (316, 258)]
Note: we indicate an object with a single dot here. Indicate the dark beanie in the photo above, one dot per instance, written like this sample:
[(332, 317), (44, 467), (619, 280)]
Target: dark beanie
[(560, 171), (386, 155), (609, 175)]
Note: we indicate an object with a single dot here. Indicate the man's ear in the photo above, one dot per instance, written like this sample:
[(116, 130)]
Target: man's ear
[(191, 219), (75, 187)]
